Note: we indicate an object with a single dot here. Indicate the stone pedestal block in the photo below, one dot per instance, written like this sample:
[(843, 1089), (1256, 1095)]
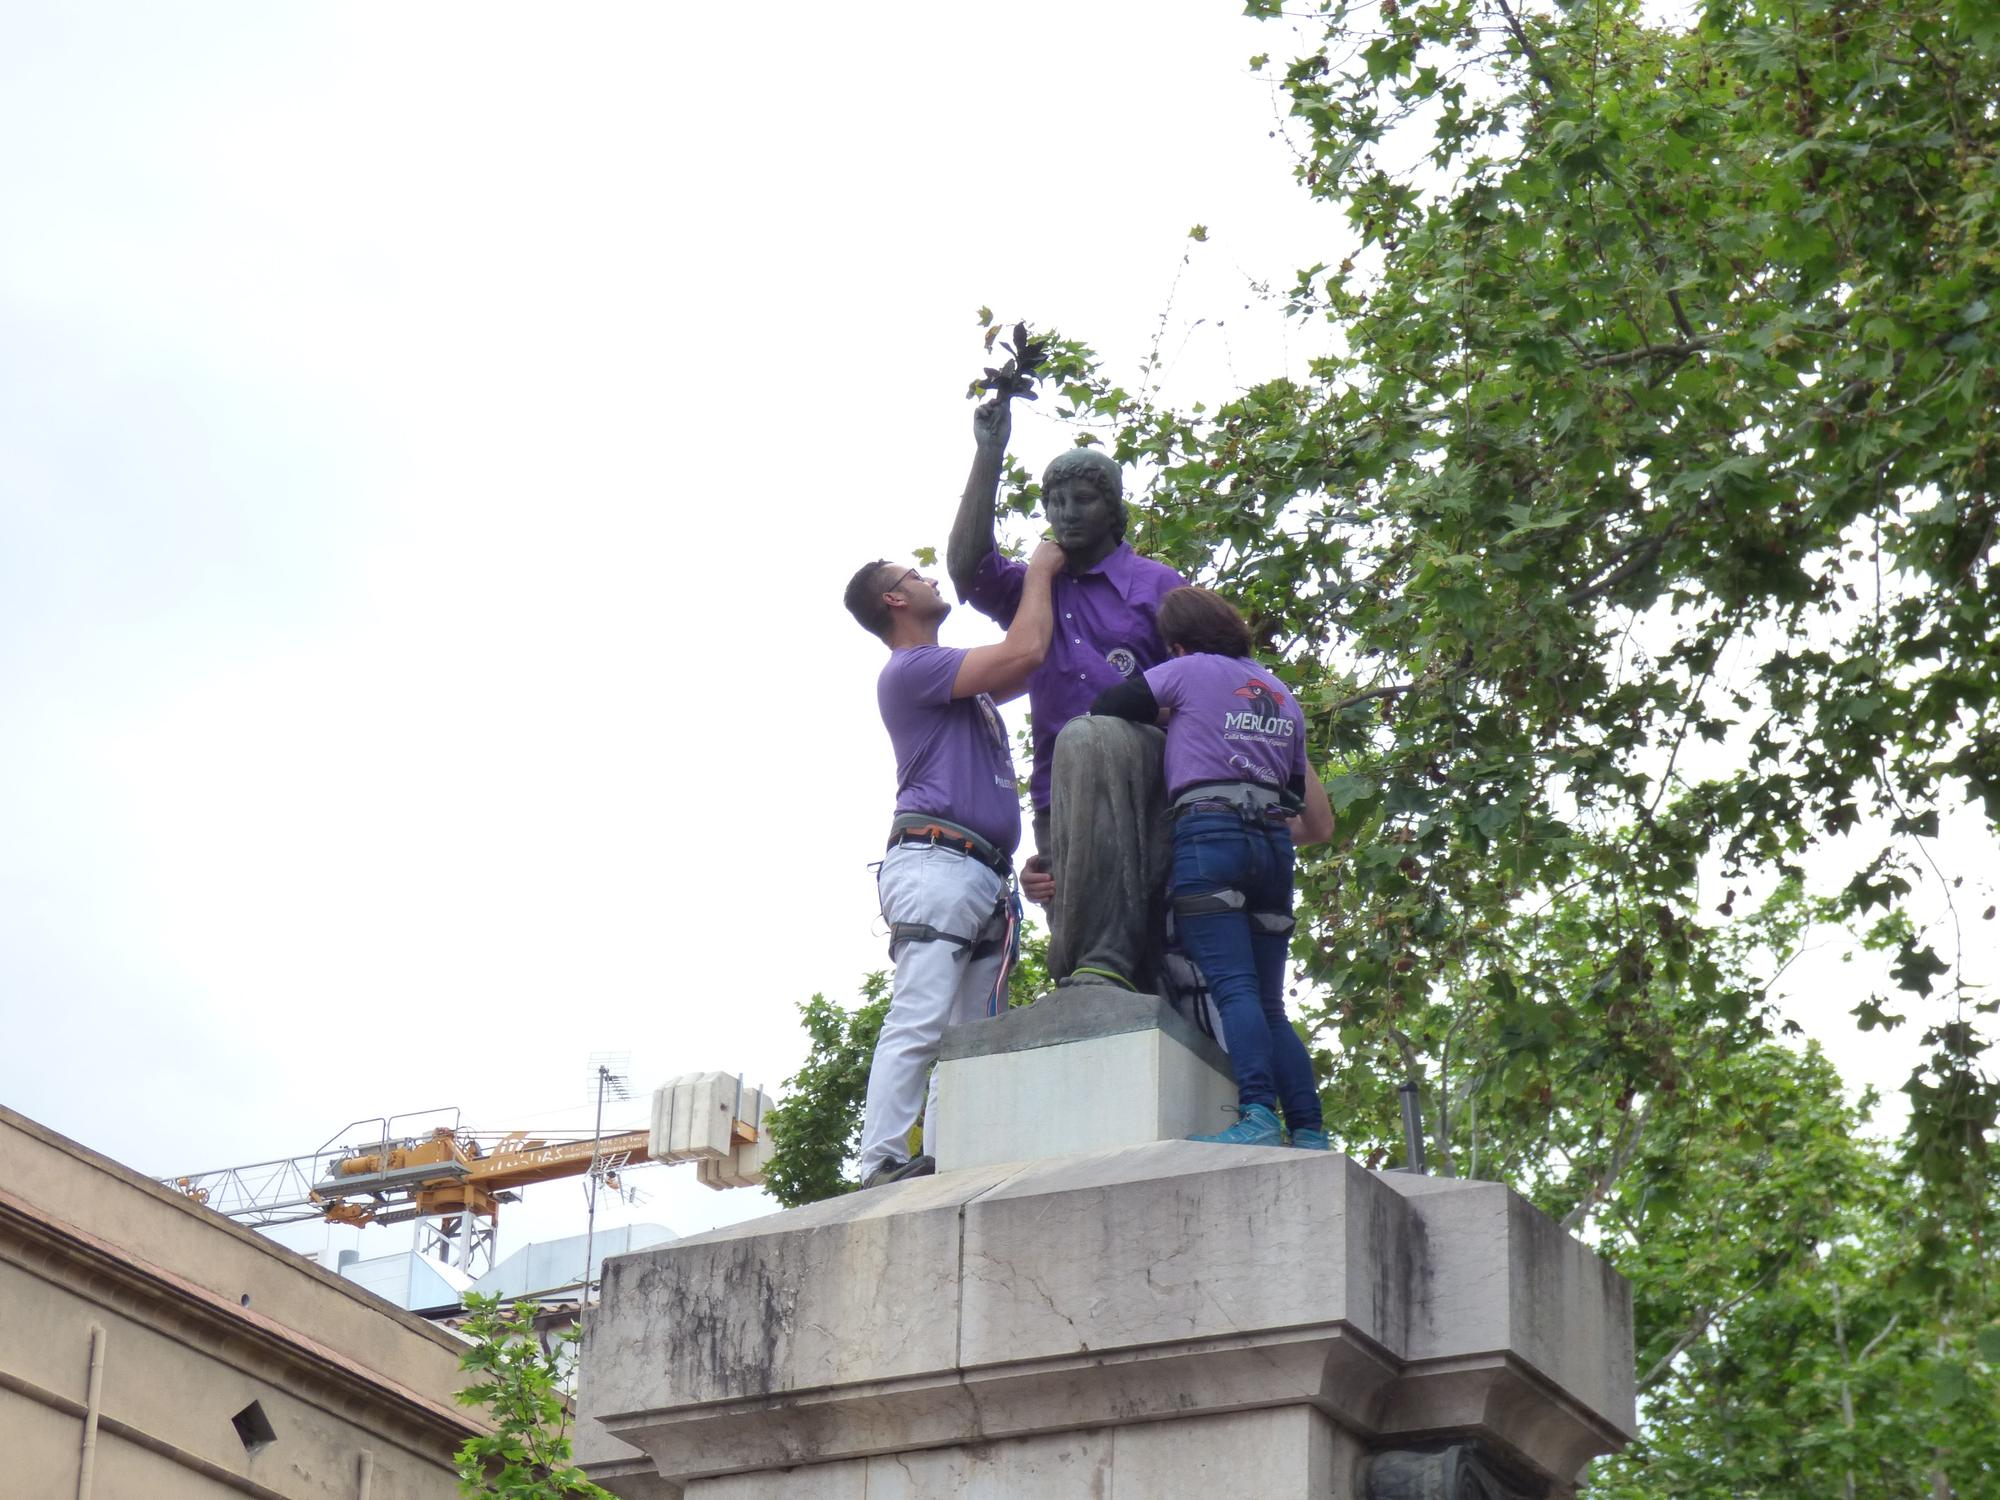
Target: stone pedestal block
[(1143, 1323), (1085, 1069)]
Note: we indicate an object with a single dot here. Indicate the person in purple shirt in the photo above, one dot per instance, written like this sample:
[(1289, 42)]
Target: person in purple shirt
[(1101, 852), (1241, 788), (946, 881)]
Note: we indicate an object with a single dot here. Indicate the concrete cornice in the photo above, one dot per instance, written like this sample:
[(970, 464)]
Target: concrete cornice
[(92, 1267), (216, 1223)]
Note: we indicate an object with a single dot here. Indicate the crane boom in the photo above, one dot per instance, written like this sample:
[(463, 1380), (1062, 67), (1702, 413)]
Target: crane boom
[(517, 1168), (458, 1177)]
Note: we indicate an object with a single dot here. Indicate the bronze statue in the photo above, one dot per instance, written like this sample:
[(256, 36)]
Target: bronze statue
[(1100, 823)]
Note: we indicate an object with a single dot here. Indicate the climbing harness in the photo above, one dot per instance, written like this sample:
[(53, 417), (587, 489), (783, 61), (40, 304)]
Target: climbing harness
[(922, 828), (1260, 806), (1250, 801), (1213, 903), (991, 937)]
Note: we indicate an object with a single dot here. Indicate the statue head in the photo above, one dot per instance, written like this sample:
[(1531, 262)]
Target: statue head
[(1083, 498)]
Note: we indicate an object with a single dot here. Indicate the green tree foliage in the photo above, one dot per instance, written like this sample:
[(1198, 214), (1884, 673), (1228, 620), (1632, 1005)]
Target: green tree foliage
[(816, 1129), (1659, 344), (1654, 429), (1635, 527), (520, 1381)]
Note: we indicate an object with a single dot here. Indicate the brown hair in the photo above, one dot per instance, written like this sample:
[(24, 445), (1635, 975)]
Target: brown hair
[(1198, 620), (864, 598)]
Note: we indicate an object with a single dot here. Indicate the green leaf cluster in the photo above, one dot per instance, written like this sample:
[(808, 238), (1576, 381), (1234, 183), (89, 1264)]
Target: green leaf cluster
[(1658, 412), (816, 1126), (521, 1381), (1634, 530)]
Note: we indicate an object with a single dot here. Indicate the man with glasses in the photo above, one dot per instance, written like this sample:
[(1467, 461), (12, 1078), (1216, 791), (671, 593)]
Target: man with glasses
[(946, 880)]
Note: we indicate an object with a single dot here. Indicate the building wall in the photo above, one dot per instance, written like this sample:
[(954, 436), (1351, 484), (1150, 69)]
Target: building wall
[(200, 1319)]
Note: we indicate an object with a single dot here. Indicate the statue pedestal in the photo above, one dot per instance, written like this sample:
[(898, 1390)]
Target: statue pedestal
[(1142, 1323), (1087, 1068)]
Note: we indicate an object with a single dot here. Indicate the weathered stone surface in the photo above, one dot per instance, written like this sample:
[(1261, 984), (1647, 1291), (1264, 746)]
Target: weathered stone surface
[(975, 1329), (1078, 1013), (1283, 1453), (861, 1288), (1504, 1277), (1090, 1068), (1179, 1241)]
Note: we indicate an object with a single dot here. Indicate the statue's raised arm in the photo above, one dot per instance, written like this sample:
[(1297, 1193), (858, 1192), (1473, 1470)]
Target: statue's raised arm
[(992, 424), (972, 528)]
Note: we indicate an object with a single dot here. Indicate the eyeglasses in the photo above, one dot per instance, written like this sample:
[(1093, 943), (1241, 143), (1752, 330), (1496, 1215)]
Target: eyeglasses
[(913, 573)]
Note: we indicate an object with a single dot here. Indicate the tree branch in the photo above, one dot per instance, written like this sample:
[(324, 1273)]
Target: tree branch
[(1528, 48), (1704, 1319), (1681, 1345), (1639, 557), (1869, 1347), (1391, 691), (1621, 1157), (1676, 352)]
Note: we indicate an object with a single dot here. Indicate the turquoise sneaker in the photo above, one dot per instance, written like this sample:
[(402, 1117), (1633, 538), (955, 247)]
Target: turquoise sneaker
[(1258, 1126), (1311, 1140)]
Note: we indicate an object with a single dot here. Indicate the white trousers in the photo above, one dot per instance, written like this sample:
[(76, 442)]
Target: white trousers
[(938, 984)]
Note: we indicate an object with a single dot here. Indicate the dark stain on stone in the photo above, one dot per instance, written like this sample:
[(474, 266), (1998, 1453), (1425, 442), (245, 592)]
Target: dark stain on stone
[(728, 1312), (1411, 1292)]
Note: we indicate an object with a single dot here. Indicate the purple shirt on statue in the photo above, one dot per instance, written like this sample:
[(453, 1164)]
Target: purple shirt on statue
[(1105, 631), (952, 760), (1232, 721)]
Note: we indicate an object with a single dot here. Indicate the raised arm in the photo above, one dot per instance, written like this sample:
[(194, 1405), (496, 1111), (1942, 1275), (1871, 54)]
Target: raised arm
[(1003, 670), (972, 528)]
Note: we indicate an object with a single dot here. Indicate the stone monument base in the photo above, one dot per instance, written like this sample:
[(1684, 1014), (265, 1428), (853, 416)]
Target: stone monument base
[(1143, 1323), (1085, 1068)]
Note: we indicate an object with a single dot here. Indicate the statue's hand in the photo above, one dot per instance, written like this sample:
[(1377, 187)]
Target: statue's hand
[(993, 423), (1038, 881), (1047, 559)]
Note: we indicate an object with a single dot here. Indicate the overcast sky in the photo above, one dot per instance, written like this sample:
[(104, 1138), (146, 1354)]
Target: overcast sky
[(433, 440)]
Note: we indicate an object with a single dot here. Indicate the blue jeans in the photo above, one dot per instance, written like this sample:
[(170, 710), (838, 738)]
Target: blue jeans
[(1218, 851)]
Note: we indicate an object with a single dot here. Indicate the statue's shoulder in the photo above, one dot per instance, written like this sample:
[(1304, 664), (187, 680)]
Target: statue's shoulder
[(1156, 573)]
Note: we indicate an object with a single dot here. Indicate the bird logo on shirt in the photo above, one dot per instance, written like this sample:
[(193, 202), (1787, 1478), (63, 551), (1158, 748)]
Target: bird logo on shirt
[(1263, 696), (1265, 713)]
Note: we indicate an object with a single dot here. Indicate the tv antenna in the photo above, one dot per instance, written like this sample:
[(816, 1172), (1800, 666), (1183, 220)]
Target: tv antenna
[(610, 1077)]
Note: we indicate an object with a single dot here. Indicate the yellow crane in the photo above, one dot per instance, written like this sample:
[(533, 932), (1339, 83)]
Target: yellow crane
[(455, 1180), (446, 1173)]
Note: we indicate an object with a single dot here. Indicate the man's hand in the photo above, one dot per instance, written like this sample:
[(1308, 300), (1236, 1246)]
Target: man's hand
[(993, 424), (1038, 882), (1046, 560)]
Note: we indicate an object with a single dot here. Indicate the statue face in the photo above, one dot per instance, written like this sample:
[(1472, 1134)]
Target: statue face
[(1083, 519)]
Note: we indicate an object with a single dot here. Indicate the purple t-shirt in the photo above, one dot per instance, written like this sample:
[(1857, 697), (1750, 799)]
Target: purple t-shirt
[(952, 760), (1232, 721), (1105, 631)]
